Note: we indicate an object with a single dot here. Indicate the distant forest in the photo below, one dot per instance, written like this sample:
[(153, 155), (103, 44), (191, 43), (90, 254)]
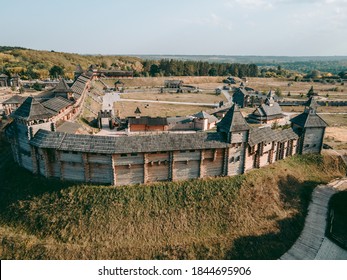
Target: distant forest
[(172, 67), (34, 64)]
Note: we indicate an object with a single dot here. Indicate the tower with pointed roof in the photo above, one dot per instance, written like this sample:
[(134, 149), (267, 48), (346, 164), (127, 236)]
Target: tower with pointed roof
[(310, 127), (236, 131), (27, 120), (78, 71), (63, 90)]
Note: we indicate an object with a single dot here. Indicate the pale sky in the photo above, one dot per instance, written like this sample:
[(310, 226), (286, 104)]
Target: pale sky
[(186, 27)]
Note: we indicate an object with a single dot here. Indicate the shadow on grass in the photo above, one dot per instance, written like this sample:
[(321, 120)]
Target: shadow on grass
[(18, 183), (295, 195)]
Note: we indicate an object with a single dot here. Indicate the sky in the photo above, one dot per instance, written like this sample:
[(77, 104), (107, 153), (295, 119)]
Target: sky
[(180, 27)]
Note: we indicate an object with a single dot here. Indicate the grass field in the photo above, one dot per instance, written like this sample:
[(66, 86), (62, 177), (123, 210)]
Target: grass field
[(253, 216), (126, 109), (296, 88), (320, 109), (178, 97), (335, 120), (336, 137), (159, 81)]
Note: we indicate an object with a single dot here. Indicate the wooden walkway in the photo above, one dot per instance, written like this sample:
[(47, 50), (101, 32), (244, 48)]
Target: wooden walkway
[(312, 243)]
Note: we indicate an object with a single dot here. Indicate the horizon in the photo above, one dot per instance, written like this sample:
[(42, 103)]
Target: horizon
[(179, 55), (222, 27)]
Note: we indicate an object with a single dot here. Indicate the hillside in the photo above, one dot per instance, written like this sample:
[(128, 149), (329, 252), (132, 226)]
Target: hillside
[(36, 64), (253, 216)]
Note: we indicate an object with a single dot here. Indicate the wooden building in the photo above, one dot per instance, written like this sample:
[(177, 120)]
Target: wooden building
[(173, 84), (241, 97), (204, 121), (142, 158), (269, 112), (63, 90), (4, 82), (78, 71), (147, 124), (60, 107), (96, 73), (311, 127), (15, 80), (12, 104)]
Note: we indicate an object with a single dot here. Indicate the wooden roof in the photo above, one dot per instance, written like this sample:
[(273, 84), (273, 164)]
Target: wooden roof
[(147, 121), (311, 103), (268, 135), (309, 119), (57, 103), (78, 69), (15, 99), (137, 111), (79, 85), (30, 110), (268, 110), (128, 144), (204, 115), (233, 121), (62, 87)]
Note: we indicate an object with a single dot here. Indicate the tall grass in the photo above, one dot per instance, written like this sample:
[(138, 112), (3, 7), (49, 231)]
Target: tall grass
[(253, 216)]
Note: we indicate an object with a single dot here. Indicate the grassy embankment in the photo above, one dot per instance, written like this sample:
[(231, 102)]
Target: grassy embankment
[(253, 216)]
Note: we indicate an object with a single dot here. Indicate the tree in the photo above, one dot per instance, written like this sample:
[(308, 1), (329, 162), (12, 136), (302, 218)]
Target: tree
[(212, 72), (37, 86), (275, 125), (56, 71), (315, 74), (311, 92), (253, 70), (154, 70)]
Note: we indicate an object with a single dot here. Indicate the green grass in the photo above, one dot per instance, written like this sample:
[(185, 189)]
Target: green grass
[(254, 216)]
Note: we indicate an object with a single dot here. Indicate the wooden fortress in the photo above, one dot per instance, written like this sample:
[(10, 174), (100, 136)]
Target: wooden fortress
[(234, 149)]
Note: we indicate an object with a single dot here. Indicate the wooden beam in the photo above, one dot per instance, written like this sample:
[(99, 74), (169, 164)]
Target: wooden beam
[(114, 171), (171, 166), (34, 160), (145, 168), (86, 167), (46, 163), (202, 166), (225, 168), (61, 166)]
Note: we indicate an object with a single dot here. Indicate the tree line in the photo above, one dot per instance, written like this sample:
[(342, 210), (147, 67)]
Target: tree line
[(171, 67)]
